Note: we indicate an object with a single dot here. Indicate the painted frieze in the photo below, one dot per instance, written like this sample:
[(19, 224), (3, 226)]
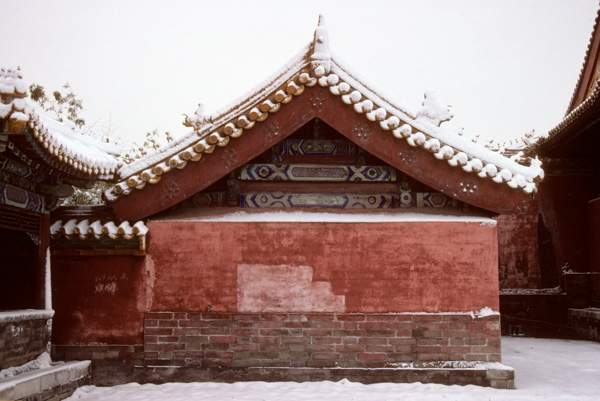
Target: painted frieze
[(327, 201), (21, 198), (435, 199), (307, 172), (208, 199), (312, 147)]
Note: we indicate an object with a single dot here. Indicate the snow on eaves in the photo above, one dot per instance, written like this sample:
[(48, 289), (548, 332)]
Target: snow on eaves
[(445, 136), (56, 140), (307, 69), (556, 132), (83, 229), (217, 118), (11, 83)]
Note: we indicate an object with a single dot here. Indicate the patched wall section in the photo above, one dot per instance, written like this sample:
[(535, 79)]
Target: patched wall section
[(284, 288)]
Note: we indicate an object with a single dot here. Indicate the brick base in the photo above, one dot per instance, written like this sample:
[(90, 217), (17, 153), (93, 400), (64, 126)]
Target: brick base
[(317, 340), (367, 348)]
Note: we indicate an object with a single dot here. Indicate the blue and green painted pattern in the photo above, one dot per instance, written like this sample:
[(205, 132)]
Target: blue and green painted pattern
[(21, 198), (327, 201), (313, 172), (313, 147)]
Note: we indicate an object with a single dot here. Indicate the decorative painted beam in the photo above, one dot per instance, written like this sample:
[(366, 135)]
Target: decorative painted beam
[(316, 172), (310, 200)]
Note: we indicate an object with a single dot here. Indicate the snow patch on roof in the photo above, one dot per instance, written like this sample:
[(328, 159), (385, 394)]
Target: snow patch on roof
[(84, 229), (57, 140), (204, 126)]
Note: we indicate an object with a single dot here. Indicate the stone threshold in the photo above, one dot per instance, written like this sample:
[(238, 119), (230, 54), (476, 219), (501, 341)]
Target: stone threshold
[(493, 375), (58, 381)]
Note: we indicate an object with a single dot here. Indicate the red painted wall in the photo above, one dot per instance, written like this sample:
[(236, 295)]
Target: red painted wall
[(99, 299), (375, 267), (518, 263)]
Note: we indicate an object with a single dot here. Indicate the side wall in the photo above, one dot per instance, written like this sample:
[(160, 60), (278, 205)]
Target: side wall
[(325, 274)]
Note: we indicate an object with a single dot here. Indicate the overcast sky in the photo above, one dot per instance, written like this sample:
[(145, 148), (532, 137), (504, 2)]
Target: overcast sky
[(506, 67)]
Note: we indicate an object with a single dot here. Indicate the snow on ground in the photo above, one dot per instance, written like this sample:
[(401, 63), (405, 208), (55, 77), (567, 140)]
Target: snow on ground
[(545, 370)]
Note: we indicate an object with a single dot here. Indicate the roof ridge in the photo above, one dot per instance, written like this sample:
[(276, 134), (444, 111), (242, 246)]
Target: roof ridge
[(418, 129)]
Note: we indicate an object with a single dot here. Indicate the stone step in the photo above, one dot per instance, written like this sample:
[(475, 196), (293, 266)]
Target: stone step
[(55, 382)]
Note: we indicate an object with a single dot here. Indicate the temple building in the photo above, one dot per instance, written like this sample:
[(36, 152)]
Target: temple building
[(314, 230)]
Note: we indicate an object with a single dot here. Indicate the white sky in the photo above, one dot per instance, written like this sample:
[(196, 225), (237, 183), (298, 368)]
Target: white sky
[(506, 67)]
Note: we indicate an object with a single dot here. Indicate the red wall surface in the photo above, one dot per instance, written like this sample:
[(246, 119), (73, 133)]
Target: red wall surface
[(518, 262), (99, 299), (345, 267), (274, 267)]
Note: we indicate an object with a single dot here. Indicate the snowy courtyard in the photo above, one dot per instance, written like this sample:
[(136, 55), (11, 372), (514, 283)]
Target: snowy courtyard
[(545, 369)]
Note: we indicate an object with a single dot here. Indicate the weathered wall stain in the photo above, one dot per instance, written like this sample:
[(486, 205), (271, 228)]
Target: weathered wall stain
[(284, 288)]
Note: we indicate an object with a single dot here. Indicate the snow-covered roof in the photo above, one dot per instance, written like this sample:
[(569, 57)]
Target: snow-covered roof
[(315, 65), (56, 141), (84, 229)]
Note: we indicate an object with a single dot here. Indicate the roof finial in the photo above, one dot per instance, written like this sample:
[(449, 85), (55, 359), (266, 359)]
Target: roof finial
[(320, 56), (322, 20)]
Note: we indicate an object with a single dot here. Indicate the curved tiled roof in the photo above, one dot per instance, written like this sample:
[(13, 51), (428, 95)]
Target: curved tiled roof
[(556, 132), (586, 60), (56, 142), (84, 229), (317, 65)]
